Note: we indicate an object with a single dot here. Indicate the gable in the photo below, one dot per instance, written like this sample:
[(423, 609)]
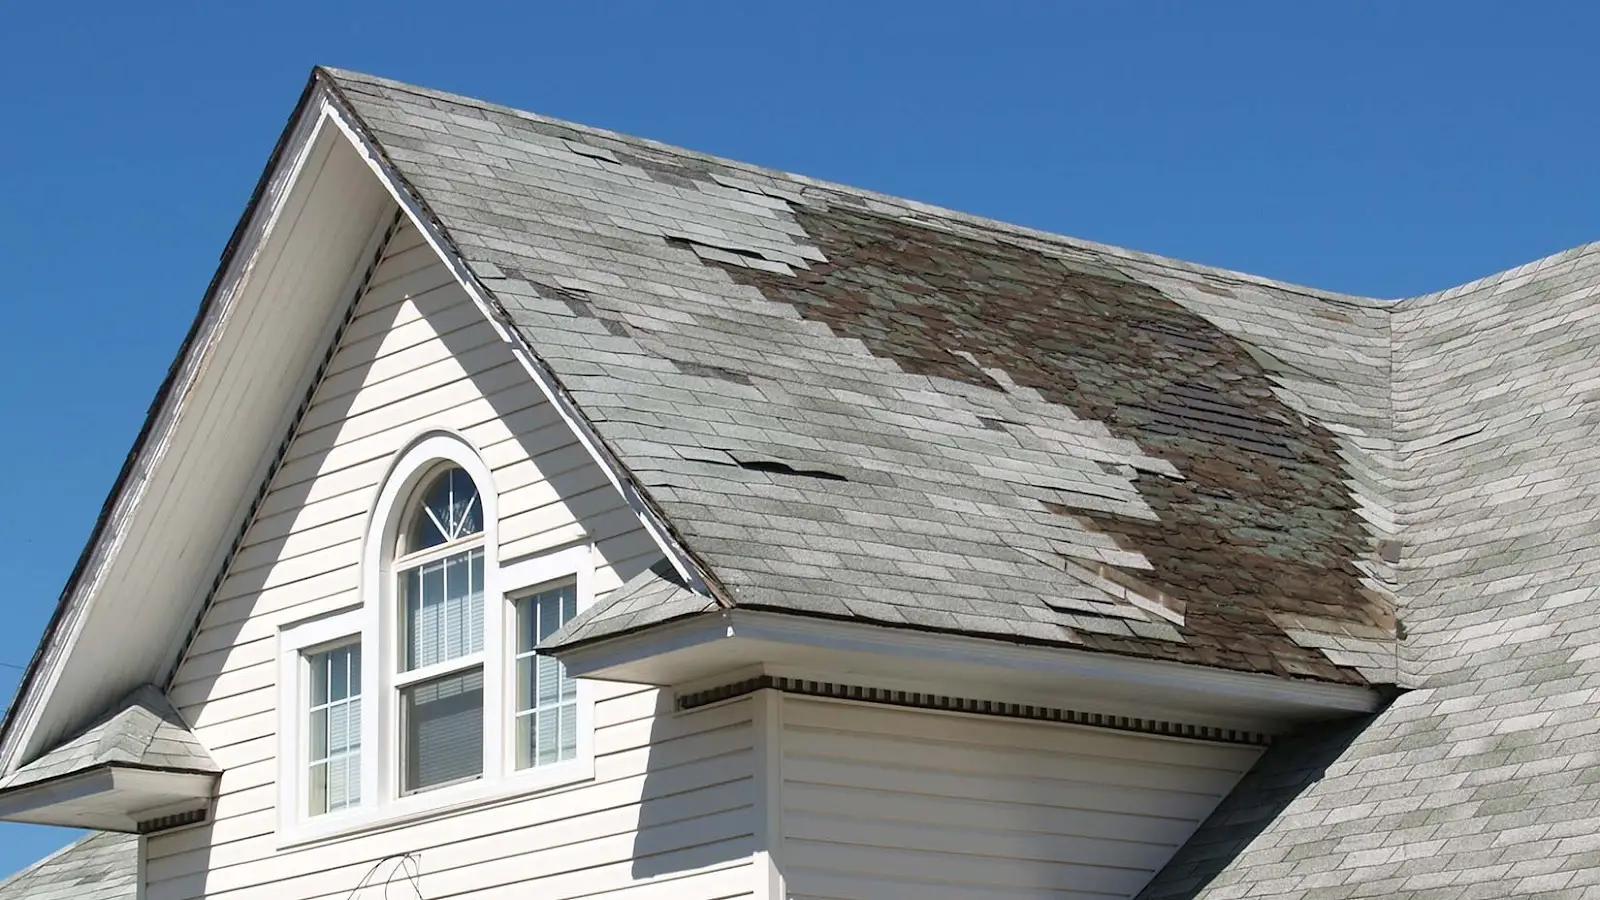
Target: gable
[(416, 356)]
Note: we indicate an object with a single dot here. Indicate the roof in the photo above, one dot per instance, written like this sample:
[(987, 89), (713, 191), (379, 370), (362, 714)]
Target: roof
[(101, 866), (856, 406), (653, 597), (849, 405), (852, 406), (142, 731), (1484, 781)]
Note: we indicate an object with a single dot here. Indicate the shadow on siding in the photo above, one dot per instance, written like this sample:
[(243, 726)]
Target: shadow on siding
[(699, 799), (695, 810)]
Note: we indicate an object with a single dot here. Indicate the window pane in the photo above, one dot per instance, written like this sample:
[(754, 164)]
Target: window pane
[(441, 723), (448, 509), (546, 698), (334, 723), (441, 609)]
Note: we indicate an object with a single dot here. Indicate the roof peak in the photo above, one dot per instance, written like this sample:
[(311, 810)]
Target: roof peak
[(906, 205)]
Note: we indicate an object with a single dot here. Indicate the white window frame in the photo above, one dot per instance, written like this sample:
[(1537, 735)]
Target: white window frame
[(376, 621), (296, 644)]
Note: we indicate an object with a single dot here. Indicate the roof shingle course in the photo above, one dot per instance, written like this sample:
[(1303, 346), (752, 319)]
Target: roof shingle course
[(102, 866), (852, 405), (142, 729)]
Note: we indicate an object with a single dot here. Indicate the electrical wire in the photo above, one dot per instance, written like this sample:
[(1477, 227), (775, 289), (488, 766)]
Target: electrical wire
[(400, 860)]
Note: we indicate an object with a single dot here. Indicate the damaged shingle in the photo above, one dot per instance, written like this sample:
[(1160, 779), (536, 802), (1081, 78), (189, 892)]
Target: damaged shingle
[(718, 372)]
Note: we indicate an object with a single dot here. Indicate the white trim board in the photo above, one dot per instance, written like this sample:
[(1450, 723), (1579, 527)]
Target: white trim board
[(699, 649)]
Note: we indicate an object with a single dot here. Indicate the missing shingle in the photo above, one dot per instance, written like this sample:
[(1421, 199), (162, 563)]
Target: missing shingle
[(665, 173), (700, 247), (992, 424), (717, 372), (775, 467)]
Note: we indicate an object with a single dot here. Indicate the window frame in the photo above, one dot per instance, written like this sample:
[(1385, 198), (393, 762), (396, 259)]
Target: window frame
[(528, 576), (297, 643), (376, 621)]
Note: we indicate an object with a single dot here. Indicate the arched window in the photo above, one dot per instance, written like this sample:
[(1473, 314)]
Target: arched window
[(438, 574), (432, 692)]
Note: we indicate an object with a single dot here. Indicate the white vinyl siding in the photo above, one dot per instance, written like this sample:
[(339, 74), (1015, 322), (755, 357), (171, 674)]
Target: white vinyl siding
[(881, 804), (675, 790)]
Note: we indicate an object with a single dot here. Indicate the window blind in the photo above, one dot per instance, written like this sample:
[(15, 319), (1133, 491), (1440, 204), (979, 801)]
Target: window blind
[(441, 722)]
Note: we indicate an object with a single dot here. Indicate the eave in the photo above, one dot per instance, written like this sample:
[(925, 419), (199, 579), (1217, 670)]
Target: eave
[(699, 651), (114, 797)]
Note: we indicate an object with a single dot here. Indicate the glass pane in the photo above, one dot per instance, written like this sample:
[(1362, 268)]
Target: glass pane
[(319, 733), (550, 677), (441, 610), (448, 509), (319, 788), (546, 697), (527, 733), (441, 723), (334, 724), (527, 682), (568, 744)]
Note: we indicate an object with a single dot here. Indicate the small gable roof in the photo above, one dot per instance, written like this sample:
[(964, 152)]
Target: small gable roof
[(653, 597), (140, 731)]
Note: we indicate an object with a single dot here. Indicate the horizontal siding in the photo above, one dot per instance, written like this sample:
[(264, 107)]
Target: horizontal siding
[(669, 812), (881, 803)]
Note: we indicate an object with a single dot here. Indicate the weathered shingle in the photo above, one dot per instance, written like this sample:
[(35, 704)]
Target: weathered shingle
[(1485, 781), (101, 866), (142, 729), (856, 406)]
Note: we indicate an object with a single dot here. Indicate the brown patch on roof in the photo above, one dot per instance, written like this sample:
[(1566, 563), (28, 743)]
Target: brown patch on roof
[(1261, 522)]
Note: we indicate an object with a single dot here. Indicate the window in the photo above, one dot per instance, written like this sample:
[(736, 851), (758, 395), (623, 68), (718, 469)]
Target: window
[(334, 728), (438, 573), (547, 697), (322, 726), (430, 693)]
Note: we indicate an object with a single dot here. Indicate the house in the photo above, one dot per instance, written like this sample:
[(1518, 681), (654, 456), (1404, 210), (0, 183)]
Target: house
[(534, 511)]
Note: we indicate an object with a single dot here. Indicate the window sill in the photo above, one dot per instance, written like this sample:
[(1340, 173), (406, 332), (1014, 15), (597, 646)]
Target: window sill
[(445, 801)]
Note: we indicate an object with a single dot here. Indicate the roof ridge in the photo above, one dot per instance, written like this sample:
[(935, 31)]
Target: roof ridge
[(987, 223), (1492, 278)]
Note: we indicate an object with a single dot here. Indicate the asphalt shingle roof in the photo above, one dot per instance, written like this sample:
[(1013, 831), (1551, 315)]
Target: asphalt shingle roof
[(101, 866), (140, 730), (1484, 781), (856, 406), (849, 405)]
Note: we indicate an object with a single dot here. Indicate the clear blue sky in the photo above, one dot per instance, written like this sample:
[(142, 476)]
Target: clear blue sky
[(1386, 149)]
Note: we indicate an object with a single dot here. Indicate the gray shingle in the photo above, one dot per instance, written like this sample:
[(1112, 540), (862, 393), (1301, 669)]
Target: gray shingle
[(1126, 438), (101, 866), (142, 729)]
